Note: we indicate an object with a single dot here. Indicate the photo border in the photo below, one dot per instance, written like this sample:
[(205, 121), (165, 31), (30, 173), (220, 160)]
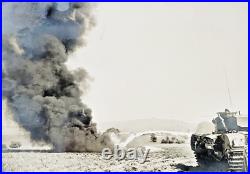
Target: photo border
[(180, 1)]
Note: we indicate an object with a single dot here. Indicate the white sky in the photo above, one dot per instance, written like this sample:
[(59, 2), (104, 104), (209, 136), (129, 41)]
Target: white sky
[(166, 60)]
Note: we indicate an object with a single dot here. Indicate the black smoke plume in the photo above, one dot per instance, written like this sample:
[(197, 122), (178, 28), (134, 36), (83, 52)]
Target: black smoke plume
[(43, 95)]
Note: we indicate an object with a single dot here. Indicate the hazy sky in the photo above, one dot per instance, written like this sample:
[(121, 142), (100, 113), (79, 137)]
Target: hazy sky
[(166, 60)]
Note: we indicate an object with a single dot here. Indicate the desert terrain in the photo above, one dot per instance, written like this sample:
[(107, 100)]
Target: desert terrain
[(40, 157), (162, 157), (170, 159)]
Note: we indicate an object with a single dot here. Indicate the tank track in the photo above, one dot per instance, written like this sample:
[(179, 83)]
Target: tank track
[(237, 159), (210, 164)]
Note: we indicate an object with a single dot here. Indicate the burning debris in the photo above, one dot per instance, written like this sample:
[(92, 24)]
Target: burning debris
[(43, 95)]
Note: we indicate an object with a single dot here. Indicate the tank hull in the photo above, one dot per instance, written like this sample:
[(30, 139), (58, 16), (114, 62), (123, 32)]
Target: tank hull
[(227, 148)]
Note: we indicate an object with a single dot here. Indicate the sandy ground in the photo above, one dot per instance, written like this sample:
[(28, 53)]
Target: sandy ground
[(162, 157), (170, 158)]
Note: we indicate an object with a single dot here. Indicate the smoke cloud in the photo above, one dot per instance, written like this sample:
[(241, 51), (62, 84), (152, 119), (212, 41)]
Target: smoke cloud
[(42, 93)]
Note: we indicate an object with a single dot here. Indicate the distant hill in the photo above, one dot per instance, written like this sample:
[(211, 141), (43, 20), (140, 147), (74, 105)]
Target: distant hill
[(149, 124)]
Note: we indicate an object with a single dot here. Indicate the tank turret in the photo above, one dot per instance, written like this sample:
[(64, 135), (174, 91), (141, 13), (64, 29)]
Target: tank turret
[(225, 122)]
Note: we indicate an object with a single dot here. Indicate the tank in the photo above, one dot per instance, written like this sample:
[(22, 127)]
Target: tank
[(228, 143)]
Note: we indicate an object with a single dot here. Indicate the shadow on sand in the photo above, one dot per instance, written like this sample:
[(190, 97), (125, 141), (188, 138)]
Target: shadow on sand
[(205, 166)]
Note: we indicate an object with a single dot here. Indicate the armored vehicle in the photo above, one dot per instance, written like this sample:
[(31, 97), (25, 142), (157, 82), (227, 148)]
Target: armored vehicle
[(227, 143), (15, 145)]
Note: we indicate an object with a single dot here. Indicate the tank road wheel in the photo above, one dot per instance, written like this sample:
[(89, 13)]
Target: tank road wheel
[(237, 159)]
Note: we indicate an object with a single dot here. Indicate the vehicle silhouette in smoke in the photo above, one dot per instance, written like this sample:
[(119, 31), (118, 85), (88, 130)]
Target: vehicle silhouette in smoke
[(15, 145), (153, 138), (228, 143)]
